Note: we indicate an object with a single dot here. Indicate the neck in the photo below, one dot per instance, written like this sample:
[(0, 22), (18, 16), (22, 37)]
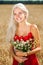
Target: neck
[(22, 23)]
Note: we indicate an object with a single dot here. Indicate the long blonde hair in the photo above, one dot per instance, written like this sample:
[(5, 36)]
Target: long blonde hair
[(12, 25)]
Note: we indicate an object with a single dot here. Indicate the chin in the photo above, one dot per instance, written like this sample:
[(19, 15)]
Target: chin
[(19, 21)]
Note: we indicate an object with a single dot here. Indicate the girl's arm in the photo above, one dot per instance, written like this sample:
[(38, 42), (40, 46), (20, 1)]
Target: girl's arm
[(34, 51), (36, 35), (17, 58)]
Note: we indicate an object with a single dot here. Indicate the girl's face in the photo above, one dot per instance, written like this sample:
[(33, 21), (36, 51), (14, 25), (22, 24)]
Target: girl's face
[(19, 15)]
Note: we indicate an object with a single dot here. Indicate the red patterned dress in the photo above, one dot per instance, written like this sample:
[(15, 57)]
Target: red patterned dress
[(32, 59)]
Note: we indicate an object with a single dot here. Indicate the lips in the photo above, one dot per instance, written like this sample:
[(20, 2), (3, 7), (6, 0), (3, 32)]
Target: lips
[(19, 18)]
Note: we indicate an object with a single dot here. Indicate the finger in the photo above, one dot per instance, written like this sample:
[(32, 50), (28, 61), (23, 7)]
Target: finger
[(25, 54), (23, 57), (21, 53), (24, 60)]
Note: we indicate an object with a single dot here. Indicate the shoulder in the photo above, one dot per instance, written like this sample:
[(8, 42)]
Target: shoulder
[(34, 27), (34, 30)]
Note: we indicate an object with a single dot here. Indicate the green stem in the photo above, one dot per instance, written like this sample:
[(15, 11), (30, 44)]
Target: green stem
[(21, 64)]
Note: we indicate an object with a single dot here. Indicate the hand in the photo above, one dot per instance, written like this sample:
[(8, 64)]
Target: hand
[(20, 59), (21, 54)]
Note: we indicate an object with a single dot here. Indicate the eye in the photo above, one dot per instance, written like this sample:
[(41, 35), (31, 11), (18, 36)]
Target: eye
[(20, 12), (14, 14)]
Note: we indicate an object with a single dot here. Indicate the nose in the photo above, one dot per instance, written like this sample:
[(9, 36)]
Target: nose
[(18, 15)]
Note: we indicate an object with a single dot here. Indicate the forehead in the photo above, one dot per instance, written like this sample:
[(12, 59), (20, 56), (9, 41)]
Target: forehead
[(17, 9)]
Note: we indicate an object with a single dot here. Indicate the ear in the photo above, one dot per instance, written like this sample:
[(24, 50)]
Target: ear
[(25, 15)]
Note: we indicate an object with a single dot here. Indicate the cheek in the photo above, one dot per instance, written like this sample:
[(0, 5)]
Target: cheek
[(22, 16)]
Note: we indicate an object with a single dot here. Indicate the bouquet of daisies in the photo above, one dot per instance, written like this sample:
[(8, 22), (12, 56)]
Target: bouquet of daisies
[(23, 45)]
